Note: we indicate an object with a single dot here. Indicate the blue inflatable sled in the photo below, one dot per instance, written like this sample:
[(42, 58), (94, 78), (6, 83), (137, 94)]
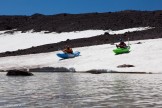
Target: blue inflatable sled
[(66, 55)]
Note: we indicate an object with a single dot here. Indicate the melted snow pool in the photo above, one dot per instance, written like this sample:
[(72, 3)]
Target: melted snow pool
[(81, 90)]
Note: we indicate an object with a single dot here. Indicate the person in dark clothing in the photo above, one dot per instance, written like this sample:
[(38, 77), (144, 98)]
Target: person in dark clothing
[(68, 50), (121, 44)]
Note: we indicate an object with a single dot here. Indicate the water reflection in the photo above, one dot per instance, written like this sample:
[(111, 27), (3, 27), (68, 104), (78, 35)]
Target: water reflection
[(81, 90), (67, 91)]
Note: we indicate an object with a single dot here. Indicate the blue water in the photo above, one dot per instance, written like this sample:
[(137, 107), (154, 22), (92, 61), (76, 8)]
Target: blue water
[(81, 90)]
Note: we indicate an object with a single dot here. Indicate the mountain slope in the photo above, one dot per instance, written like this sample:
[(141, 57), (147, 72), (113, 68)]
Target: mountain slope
[(79, 22)]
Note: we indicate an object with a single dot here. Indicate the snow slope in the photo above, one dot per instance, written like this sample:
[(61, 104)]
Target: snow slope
[(18, 40), (146, 57)]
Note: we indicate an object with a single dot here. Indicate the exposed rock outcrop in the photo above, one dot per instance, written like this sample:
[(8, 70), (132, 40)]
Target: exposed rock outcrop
[(125, 66), (52, 69), (18, 73), (97, 71), (77, 22)]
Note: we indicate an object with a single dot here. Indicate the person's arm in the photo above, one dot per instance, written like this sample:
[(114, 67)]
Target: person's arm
[(64, 50)]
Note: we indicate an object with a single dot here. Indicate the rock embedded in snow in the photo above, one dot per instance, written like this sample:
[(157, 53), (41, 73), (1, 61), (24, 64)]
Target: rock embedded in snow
[(139, 42), (97, 71), (125, 66), (18, 73)]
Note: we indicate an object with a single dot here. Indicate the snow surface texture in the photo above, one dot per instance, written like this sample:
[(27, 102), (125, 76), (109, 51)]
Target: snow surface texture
[(18, 40), (146, 57)]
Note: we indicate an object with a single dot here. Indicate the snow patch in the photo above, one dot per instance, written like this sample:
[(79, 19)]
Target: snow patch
[(18, 40), (145, 57)]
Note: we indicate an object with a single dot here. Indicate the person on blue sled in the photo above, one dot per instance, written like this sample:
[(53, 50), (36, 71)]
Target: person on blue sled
[(68, 50), (121, 44)]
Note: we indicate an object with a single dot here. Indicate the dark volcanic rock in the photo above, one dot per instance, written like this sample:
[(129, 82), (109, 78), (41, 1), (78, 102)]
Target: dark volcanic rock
[(76, 22), (125, 66), (18, 73), (139, 43), (97, 71), (52, 69)]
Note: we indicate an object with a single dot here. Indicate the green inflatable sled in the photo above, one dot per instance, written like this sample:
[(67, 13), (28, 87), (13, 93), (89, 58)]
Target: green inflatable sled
[(121, 50)]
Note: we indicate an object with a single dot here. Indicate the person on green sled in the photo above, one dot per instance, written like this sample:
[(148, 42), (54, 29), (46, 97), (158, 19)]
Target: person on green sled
[(122, 44), (68, 50)]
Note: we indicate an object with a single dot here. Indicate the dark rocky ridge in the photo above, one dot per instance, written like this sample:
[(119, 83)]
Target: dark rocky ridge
[(68, 22), (52, 69), (78, 22)]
